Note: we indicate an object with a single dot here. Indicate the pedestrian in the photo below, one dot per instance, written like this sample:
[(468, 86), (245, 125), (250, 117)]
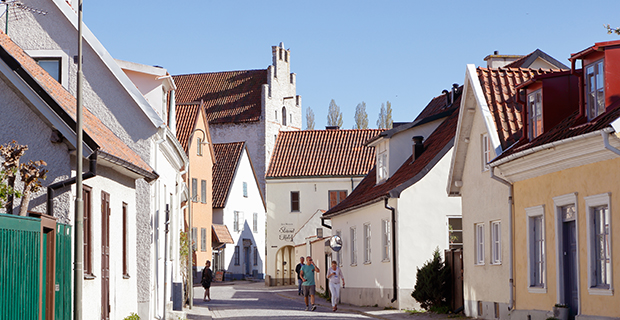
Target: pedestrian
[(334, 274), (299, 279), (307, 274), (207, 277)]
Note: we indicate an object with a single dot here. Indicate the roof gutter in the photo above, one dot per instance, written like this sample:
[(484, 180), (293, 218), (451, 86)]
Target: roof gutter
[(148, 176), (92, 171), (549, 145), (394, 275), (510, 242)]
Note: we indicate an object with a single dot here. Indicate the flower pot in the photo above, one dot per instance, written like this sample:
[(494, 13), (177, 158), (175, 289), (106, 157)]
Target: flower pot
[(560, 313)]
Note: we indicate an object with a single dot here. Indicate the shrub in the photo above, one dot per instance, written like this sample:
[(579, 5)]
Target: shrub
[(432, 288), (132, 316)]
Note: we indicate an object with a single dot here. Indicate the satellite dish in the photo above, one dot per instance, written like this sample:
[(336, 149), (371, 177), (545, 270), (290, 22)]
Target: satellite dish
[(335, 242)]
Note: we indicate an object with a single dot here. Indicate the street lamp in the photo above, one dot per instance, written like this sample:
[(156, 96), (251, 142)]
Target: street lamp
[(190, 264)]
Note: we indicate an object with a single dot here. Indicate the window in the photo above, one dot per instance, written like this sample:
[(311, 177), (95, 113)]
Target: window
[(367, 243), (88, 241), (255, 223), (479, 232), (194, 189), (353, 246), (203, 191), (536, 249), (194, 239), (236, 221), (385, 236), (496, 242), (125, 241), (599, 244), (236, 256), (203, 239), (382, 162), (294, 201), (199, 146), (455, 232), (276, 111), (255, 256), (595, 89), (283, 116), (534, 113), (486, 151), (338, 253), (52, 66), (336, 196), (245, 189)]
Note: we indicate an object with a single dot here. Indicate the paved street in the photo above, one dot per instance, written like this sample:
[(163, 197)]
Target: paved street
[(245, 300)]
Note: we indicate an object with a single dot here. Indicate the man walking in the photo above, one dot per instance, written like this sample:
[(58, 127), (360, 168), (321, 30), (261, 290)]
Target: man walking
[(307, 274), (299, 279)]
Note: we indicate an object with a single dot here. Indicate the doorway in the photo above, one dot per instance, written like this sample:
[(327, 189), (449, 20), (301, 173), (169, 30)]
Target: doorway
[(105, 256), (569, 270)]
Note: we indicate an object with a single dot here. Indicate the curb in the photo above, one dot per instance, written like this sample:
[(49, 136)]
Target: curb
[(318, 303)]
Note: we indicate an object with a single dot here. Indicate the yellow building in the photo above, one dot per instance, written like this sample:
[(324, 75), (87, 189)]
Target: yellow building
[(564, 175)]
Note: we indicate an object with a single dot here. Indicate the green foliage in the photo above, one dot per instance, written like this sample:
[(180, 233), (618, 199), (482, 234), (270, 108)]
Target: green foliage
[(385, 117), (5, 189), (611, 30), (132, 316), (184, 257), (309, 119), (334, 116), (361, 117), (432, 288)]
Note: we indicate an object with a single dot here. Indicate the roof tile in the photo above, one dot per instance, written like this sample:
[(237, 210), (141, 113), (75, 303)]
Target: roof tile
[(227, 157)]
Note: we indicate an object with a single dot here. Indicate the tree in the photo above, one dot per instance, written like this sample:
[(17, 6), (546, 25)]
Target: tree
[(432, 287), (385, 117), (31, 174), (334, 116), (309, 119), (11, 152), (611, 30), (361, 117)]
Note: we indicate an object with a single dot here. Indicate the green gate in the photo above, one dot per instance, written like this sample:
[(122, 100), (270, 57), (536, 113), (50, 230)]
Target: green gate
[(63, 272), (20, 250)]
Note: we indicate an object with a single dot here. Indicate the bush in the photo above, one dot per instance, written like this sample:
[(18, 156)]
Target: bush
[(432, 288), (132, 316)]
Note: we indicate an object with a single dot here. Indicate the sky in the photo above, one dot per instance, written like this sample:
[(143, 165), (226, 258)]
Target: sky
[(405, 52)]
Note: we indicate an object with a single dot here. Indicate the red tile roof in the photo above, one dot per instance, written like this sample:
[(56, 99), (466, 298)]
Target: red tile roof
[(322, 153), (438, 104), (499, 88), (435, 147), (229, 97), (108, 142), (186, 116), (227, 156)]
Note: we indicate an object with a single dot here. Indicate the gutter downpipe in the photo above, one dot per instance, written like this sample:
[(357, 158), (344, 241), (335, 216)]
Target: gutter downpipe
[(325, 225), (394, 278), (510, 204), (608, 146), (92, 171), (156, 236)]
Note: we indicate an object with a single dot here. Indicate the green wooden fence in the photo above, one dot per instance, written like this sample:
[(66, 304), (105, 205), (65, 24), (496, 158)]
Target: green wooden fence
[(63, 272)]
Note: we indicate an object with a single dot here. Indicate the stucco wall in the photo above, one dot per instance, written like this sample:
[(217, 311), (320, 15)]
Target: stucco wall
[(587, 180), (483, 200)]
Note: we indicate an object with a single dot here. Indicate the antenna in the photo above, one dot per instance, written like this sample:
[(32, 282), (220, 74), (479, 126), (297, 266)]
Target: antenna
[(19, 9)]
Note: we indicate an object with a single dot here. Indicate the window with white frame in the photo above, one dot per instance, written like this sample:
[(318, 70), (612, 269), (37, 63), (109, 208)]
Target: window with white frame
[(599, 244), (255, 223), (595, 89), (455, 232), (386, 239), (534, 113), (353, 234), (203, 239), (294, 201), (382, 162), (367, 243), (203, 191), (496, 242), (536, 249), (479, 233), (245, 189), (55, 62), (236, 222), (486, 151)]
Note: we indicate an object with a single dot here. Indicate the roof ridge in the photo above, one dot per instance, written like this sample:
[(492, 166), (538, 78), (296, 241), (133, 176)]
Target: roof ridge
[(213, 72)]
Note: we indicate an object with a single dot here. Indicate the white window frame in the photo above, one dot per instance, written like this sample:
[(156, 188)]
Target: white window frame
[(592, 203), (452, 231), (386, 240), (479, 243), (533, 213), (353, 236), (367, 243), (54, 54), (496, 242), (245, 189), (597, 65), (236, 217), (485, 142), (255, 222), (382, 162), (534, 105)]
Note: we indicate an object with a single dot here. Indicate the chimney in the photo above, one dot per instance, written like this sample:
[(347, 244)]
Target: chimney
[(447, 93), (332, 128), (418, 146), (497, 60), (453, 97)]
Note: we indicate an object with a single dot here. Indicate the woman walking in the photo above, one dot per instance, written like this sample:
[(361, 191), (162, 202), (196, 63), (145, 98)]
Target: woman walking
[(207, 277), (334, 274)]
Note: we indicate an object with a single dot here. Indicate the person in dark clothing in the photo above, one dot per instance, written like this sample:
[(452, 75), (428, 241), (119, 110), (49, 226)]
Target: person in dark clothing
[(298, 270), (207, 277)]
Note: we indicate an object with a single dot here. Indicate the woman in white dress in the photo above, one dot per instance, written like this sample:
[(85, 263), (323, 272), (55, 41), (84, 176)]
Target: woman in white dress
[(334, 274)]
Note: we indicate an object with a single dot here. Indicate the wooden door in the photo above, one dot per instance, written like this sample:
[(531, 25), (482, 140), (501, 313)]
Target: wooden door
[(105, 256)]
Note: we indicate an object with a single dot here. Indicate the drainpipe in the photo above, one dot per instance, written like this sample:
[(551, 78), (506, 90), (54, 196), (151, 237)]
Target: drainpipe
[(510, 267), (394, 282), (325, 225), (92, 171), (605, 134)]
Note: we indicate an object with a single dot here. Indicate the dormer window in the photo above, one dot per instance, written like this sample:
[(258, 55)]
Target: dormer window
[(382, 162), (534, 111), (595, 89)]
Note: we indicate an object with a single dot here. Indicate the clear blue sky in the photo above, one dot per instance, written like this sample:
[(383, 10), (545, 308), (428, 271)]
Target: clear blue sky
[(406, 52)]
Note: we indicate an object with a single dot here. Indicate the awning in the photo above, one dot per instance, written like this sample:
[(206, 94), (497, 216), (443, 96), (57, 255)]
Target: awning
[(221, 236)]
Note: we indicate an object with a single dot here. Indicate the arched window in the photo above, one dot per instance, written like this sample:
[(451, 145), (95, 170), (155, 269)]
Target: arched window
[(283, 116)]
